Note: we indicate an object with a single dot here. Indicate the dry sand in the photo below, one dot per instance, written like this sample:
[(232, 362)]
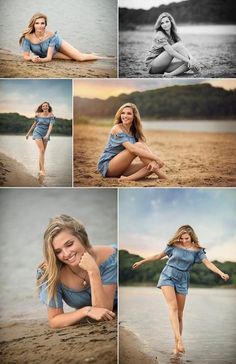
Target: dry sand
[(191, 158), (33, 342), (14, 66), (14, 174)]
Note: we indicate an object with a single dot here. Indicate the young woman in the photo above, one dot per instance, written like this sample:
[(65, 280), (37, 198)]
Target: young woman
[(42, 127), (125, 143), (166, 46), (183, 251), (73, 271), (47, 45)]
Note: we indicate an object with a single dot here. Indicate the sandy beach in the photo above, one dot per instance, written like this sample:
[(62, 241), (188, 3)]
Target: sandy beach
[(14, 174), (12, 66), (34, 342), (191, 159)]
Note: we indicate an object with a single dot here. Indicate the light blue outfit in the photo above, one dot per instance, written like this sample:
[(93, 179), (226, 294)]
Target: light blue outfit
[(41, 49), (79, 299), (113, 147), (42, 125), (176, 271)]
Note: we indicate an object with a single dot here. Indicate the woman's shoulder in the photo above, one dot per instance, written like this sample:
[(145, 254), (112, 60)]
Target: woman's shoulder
[(160, 35), (116, 129), (104, 252)]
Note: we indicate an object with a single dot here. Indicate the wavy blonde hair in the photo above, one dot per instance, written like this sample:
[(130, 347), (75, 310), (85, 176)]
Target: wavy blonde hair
[(30, 28), (173, 30), (136, 128), (51, 265), (185, 229), (39, 108)]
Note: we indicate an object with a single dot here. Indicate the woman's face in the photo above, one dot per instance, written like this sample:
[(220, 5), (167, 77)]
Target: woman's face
[(39, 25), (68, 248), (185, 238), (45, 106), (127, 116), (165, 23)]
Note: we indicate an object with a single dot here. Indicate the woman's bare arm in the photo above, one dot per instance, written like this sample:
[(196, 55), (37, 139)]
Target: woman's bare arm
[(30, 130), (139, 152), (149, 259), (214, 269)]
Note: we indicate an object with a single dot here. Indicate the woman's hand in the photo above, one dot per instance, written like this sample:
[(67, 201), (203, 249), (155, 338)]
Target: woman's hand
[(88, 263), (36, 59), (27, 136), (224, 276), (136, 265), (46, 137), (193, 65), (100, 314)]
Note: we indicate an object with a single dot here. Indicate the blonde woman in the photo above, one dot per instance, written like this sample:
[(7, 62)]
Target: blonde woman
[(74, 272), (183, 251), (47, 45), (126, 142), (166, 47)]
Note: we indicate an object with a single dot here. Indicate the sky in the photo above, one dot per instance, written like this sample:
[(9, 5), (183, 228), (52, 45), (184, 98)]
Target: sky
[(144, 4), (23, 96), (148, 218), (103, 89)]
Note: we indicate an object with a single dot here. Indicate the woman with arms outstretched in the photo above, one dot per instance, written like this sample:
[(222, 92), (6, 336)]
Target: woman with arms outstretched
[(183, 251), (126, 142), (47, 45), (166, 46), (77, 273)]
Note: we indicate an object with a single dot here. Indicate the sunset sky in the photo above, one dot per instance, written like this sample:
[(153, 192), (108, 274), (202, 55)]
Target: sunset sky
[(103, 89), (23, 96), (148, 218)]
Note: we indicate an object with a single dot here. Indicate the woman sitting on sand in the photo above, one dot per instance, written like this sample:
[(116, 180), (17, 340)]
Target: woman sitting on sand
[(166, 46), (47, 45), (42, 127), (73, 271), (183, 251), (125, 143)]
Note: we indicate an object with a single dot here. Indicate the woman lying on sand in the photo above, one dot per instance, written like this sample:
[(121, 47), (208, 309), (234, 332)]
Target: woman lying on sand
[(166, 46), (183, 251), (125, 143), (73, 271), (47, 45)]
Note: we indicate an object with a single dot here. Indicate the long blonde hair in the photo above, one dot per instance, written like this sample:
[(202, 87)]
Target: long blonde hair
[(51, 265), (136, 127), (173, 30), (30, 28), (185, 229)]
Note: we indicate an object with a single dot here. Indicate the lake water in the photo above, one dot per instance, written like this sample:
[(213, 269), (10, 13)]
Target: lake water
[(213, 126), (209, 324), (24, 216), (58, 160), (88, 25)]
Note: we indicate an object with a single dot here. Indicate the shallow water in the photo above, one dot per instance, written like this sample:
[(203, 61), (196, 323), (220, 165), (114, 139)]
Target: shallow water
[(213, 46), (90, 25), (209, 324), (58, 157)]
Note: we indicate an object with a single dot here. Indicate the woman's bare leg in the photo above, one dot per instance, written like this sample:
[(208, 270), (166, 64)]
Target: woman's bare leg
[(120, 163), (180, 302), (42, 148), (74, 54), (172, 302)]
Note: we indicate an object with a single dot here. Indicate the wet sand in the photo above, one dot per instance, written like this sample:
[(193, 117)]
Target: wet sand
[(34, 342), (14, 174), (191, 159), (12, 66)]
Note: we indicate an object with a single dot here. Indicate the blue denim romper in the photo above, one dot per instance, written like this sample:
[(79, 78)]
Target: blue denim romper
[(176, 271), (79, 299), (41, 49), (113, 147), (42, 126)]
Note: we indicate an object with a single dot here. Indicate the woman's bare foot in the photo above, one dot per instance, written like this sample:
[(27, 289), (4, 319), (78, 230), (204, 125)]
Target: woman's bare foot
[(167, 75), (124, 178), (160, 174), (180, 345), (42, 173)]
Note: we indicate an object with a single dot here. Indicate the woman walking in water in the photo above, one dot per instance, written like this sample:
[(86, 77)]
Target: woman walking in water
[(47, 45), (166, 46), (183, 251), (126, 142), (42, 127)]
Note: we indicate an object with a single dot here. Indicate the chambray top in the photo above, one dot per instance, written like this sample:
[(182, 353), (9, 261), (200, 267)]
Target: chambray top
[(42, 125), (79, 299), (159, 41), (113, 147), (41, 49), (183, 259)]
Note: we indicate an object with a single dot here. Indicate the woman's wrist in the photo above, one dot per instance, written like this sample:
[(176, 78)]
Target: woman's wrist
[(87, 309)]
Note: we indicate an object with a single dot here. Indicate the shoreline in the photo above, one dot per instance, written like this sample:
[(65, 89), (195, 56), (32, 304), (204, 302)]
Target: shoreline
[(13, 66), (14, 174), (34, 342)]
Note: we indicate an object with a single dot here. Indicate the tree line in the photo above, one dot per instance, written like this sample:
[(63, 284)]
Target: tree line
[(14, 123), (149, 273)]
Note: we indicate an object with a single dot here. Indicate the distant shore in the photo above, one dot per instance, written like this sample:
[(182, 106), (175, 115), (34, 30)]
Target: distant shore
[(12, 66), (14, 174)]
